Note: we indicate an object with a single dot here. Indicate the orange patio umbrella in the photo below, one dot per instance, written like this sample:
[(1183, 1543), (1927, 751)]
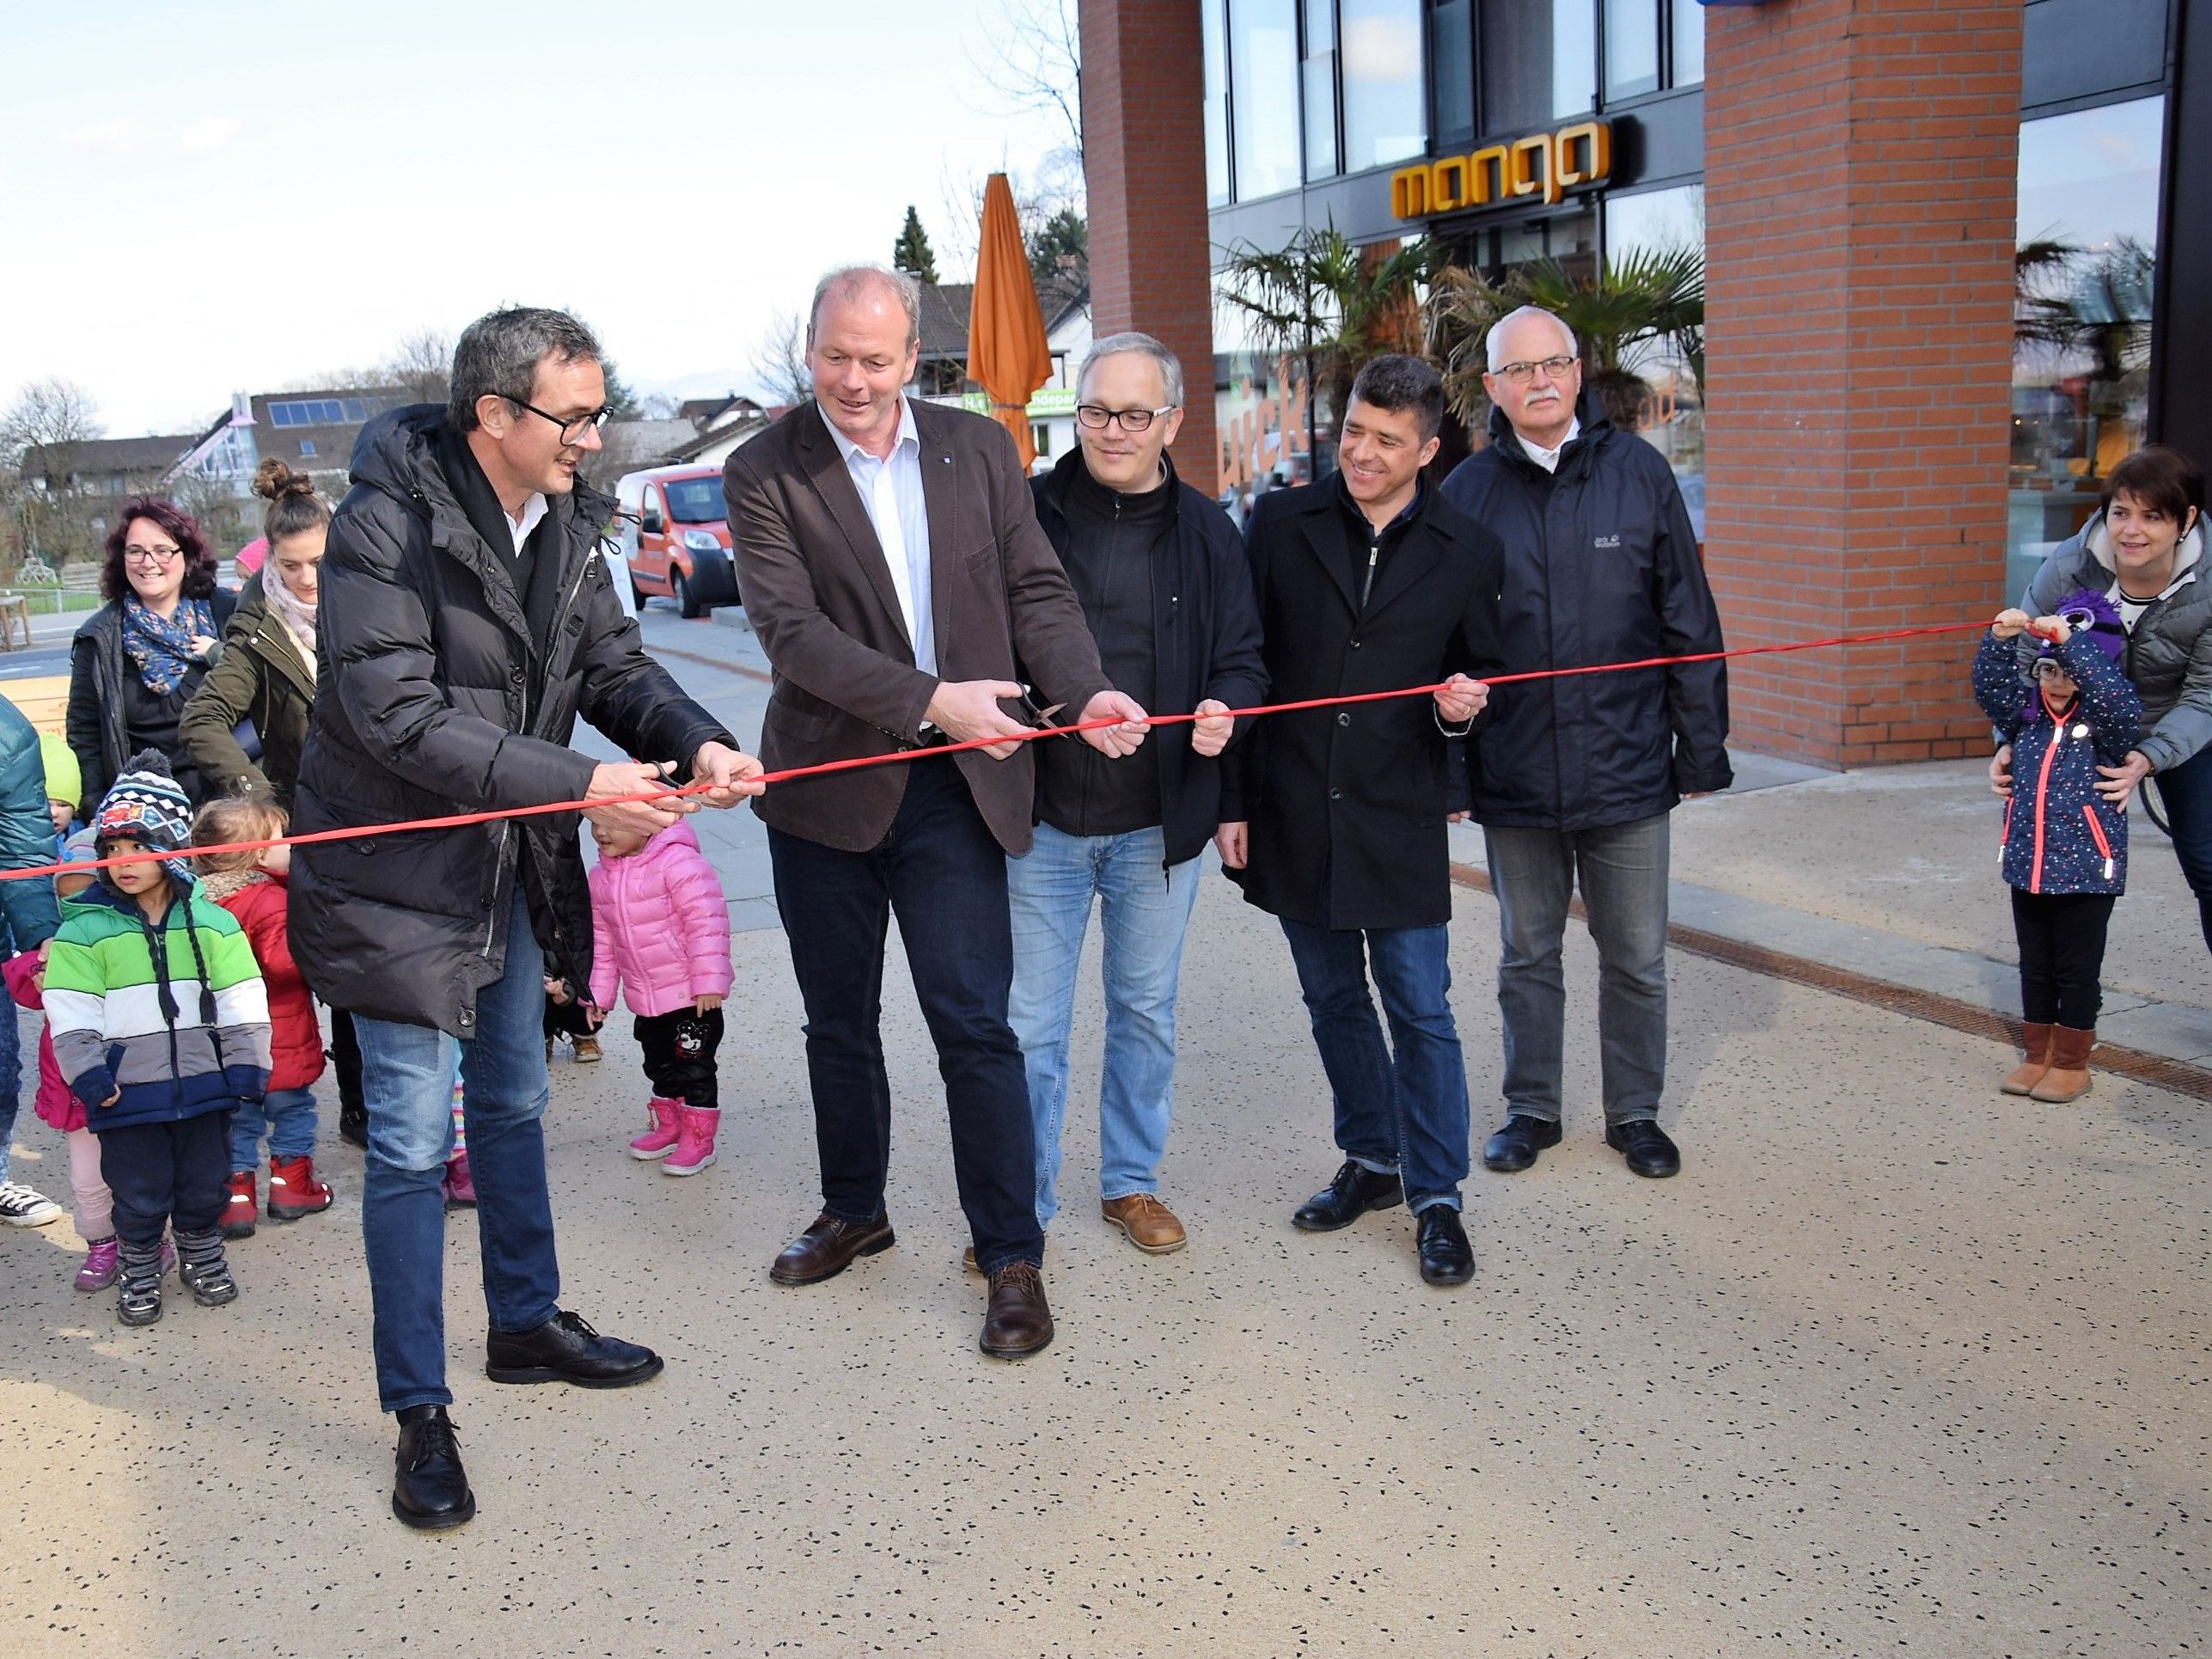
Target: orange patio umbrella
[(1007, 355)]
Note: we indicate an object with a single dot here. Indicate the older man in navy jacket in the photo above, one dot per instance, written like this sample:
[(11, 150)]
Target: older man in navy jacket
[(1575, 777)]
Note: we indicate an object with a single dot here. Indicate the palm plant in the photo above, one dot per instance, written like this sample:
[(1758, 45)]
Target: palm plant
[(1649, 302), (1324, 300)]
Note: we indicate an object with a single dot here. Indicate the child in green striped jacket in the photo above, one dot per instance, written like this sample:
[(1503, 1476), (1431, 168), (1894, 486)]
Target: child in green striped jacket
[(161, 1026)]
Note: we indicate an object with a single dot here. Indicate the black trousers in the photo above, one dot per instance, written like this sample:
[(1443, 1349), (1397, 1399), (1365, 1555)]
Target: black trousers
[(2061, 939), (168, 1174), (346, 1061), (566, 1020), (943, 871), (680, 1047)]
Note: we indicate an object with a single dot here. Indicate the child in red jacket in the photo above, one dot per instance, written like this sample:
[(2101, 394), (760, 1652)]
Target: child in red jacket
[(251, 886)]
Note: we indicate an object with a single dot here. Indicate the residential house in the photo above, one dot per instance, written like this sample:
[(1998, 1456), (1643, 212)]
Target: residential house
[(941, 370)]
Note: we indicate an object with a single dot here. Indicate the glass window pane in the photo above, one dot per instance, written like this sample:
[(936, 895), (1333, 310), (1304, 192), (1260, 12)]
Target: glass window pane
[(1631, 47), (1264, 95), (1573, 57), (1670, 416), (2087, 234), (1451, 58), (1319, 85), (1216, 103), (1385, 113), (1689, 43)]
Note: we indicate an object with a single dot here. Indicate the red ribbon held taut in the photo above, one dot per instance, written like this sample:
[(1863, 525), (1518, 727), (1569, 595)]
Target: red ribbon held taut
[(462, 820)]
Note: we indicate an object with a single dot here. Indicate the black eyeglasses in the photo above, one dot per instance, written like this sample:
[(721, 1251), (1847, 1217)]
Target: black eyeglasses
[(1097, 416), (1520, 374), (573, 430)]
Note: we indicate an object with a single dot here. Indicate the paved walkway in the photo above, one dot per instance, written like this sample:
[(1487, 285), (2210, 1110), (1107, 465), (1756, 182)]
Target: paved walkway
[(1895, 1365)]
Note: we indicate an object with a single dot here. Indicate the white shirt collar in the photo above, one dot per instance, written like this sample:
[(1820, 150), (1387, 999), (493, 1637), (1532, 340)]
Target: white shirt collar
[(848, 449), (534, 510), (1549, 459)]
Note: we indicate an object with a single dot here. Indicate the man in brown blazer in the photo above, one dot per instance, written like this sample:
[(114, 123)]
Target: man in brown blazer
[(895, 573)]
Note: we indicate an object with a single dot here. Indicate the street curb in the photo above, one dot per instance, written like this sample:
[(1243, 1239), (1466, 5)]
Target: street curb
[(2153, 1068)]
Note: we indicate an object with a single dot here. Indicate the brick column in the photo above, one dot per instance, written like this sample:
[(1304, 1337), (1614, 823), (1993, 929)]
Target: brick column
[(1144, 149), (1860, 162)]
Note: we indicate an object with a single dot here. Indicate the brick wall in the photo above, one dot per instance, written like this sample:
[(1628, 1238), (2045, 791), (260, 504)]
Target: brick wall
[(1144, 149), (1860, 162)]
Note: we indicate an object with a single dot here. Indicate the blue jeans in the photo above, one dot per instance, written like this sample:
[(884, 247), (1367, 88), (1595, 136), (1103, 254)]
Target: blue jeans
[(1146, 909), (2186, 795), (1623, 869), (285, 1116), (1401, 1108), (944, 874), (407, 1077)]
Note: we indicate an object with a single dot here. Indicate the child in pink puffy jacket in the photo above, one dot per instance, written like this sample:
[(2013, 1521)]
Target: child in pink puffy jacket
[(660, 932)]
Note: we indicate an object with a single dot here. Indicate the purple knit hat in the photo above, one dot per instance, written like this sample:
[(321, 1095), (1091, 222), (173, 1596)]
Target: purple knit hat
[(2087, 611)]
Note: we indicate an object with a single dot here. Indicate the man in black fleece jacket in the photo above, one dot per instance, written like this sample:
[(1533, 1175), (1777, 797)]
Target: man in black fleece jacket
[(1167, 592)]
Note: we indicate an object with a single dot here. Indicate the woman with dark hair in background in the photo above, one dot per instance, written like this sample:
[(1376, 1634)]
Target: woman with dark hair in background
[(267, 674), (2145, 551), (139, 658)]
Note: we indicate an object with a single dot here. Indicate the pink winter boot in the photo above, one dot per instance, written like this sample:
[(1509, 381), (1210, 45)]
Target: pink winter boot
[(459, 1186), (694, 1147), (660, 1140)]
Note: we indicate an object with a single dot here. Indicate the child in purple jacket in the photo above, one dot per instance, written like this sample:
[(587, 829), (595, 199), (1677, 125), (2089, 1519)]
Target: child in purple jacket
[(2065, 844), (660, 932)]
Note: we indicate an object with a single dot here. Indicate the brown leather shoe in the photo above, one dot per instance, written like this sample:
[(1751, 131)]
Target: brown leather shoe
[(1150, 1224), (2067, 1079), (1018, 1323), (2035, 1044), (827, 1247)]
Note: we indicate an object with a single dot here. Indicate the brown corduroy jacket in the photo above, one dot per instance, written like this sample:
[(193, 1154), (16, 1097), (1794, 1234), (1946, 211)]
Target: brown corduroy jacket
[(819, 596)]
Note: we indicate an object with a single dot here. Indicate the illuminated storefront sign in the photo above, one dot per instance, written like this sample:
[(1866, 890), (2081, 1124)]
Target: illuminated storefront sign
[(1544, 166)]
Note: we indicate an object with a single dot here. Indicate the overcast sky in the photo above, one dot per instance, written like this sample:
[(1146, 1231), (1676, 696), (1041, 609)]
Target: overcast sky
[(227, 196)]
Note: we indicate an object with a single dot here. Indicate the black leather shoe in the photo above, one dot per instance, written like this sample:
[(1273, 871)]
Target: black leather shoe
[(353, 1124), (1354, 1191), (829, 1247), (566, 1350), (1647, 1147), (430, 1491), (1514, 1147), (1446, 1257)]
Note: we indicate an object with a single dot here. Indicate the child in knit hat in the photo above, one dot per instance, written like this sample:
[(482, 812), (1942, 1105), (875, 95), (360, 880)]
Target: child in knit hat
[(65, 784), (161, 1024), (2065, 846)]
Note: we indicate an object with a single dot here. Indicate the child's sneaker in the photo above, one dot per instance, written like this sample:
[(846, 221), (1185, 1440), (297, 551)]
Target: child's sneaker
[(660, 1140), (20, 1207), (694, 1147), (460, 1186), (99, 1269), (202, 1267), (238, 1214), (294, 1192), (138, 1284)]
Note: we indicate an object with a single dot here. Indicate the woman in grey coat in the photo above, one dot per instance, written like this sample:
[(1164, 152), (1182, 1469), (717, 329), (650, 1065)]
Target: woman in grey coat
[(2145, 550)]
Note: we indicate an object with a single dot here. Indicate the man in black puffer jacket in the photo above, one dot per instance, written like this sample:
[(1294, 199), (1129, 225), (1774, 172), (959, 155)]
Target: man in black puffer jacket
[(1574, 777), (466, 619)]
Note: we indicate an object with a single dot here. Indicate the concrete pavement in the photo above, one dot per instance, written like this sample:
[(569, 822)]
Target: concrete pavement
[(1896, 1364)]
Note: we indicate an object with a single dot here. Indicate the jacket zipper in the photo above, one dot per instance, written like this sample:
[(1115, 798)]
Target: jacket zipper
[(2042, 787), (498, 862), (1374, 552), (2097, 835), (157, 947)]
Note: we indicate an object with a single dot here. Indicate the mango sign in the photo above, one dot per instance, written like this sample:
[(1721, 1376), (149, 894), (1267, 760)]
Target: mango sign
[(1545, 164)]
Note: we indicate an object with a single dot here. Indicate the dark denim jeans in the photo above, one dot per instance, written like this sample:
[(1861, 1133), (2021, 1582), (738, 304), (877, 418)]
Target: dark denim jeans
[(406, 1074), (1401, 1106), (1623, 869), (944, 874), (2185, 792)]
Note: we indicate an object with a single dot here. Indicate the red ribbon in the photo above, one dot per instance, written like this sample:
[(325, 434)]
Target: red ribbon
[(462, 820)]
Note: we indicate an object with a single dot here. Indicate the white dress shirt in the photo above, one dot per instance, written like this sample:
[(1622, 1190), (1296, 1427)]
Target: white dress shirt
[(520, 529), (1549, 459), (891, 495)]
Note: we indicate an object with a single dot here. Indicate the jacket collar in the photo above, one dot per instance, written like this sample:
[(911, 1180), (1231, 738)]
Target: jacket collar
[(1061, 478), (1321, 509), (1573, 457), (278, 649)]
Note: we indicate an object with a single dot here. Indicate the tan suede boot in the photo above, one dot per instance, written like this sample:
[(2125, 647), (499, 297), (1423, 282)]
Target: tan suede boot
[(2035, 1040), (2068, 1076)]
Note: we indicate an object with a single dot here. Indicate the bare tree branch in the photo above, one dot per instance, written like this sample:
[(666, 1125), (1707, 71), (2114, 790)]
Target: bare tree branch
[(1033, 60), (779, 360)]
